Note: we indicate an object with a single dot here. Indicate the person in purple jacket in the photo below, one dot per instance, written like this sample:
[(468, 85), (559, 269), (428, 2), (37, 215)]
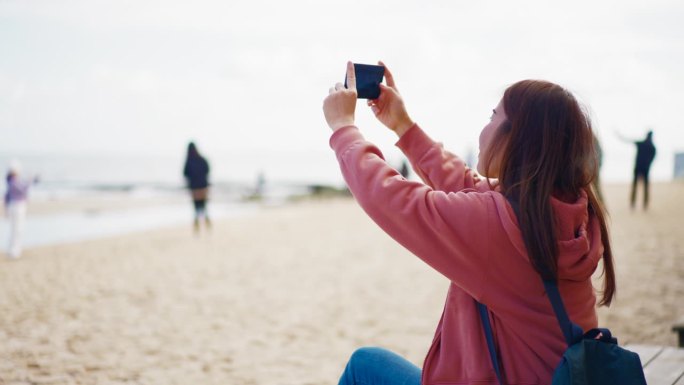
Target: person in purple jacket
[(16, 198), (537, 153)]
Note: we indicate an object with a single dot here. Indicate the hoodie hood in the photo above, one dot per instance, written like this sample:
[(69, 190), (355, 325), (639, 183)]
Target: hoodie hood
[(579, 237)]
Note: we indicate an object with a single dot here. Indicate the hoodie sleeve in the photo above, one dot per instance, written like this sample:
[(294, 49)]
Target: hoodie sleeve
[(446, 230), (437, 167)]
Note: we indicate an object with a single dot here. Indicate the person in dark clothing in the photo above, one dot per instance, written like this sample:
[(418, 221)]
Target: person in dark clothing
[(196, 172), (646, 152), (596, 184), (404, 170)]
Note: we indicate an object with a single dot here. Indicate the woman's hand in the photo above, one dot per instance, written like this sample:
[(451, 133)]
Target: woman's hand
[(389, 107), (340, 104)]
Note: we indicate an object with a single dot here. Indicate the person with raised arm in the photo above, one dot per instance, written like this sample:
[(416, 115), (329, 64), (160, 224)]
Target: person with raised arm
[(645, 154)]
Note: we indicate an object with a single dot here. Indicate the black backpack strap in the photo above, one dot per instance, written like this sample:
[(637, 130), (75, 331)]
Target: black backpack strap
[(571, 331), (484, 315)]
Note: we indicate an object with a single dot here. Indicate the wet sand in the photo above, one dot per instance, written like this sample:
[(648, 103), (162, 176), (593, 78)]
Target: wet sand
[(279, 297)]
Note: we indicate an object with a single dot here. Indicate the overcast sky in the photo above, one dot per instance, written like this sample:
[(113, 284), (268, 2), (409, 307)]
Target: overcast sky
[(147, 76)]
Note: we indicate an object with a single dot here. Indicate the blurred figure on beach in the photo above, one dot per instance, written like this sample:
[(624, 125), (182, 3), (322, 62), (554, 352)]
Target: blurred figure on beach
[(597, 181), (16, 198), (259, 186), (196, 172), (404, 169), (645, 154)]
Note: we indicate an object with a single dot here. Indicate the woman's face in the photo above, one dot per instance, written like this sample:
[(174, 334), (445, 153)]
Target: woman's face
[(486, 137)]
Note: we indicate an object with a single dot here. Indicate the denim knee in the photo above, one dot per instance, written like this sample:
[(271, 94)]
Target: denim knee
[(366, 353), (360, 363), (378, 366), (362, 358)]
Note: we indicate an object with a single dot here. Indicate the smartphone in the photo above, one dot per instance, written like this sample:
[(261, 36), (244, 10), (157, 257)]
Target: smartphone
[(368, 79)]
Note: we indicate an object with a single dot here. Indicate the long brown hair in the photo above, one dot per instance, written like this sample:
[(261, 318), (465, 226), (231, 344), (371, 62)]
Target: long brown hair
[(546, 147)]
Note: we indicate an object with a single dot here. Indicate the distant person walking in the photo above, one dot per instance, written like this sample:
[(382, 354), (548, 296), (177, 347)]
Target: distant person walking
[(645, 154), (260, 186), (597, 182), (16, 198), (404, 170), (196, 172)]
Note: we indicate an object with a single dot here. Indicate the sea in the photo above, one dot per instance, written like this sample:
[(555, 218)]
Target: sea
[(242, 183)]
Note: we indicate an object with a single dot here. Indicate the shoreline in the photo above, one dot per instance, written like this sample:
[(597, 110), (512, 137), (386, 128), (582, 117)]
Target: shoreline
[(99, 215), (89, 206)]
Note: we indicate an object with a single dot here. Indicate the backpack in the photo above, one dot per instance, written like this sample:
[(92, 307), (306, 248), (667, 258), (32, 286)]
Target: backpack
[(597, 359), (592, 358)]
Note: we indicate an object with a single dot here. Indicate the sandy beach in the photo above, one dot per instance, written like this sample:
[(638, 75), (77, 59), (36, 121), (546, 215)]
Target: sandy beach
[(281, 296)]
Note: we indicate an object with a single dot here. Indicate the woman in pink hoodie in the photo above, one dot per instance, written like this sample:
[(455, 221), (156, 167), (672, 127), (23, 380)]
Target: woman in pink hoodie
[(537, 152)]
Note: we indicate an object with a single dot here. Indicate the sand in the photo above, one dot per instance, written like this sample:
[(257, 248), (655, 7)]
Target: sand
[(282, 296)]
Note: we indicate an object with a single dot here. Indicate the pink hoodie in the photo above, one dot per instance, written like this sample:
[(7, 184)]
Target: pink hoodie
[(468, 232)]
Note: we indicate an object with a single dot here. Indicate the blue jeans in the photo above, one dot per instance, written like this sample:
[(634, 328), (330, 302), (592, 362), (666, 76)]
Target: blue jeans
[(378, 366)]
